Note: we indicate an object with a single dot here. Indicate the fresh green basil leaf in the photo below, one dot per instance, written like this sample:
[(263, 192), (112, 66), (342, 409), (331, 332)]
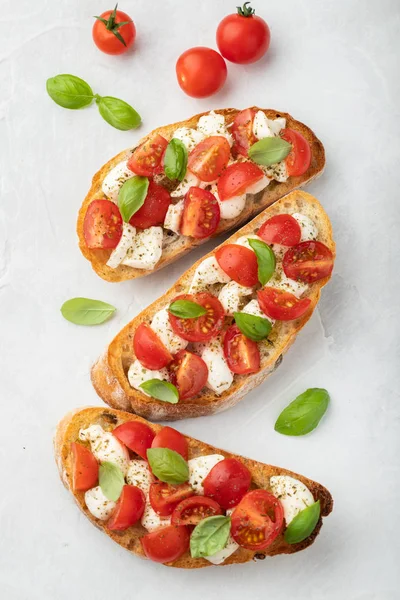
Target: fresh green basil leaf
[(265, 260), (85, 311), (167, 465), (303, 414), (253, 327), (175, 160), (186, 309), (303, 524), (69, 91), (161, 390), (111, 480), (118, 113), (210, 536), (132, 195), (269, 150)]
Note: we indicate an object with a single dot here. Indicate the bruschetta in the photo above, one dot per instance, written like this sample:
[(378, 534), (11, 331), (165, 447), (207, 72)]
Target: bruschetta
[(187, 182)]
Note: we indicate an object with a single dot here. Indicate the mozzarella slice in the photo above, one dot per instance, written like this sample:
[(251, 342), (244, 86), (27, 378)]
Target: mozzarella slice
[(280, 281), (151, 520), (231, 296), (146, 250), (139, 475), (207, 273), (113, 181), (258, 186), (187, 182), (229, 209), (173, 217), (199, 468), (126, 242), (161, 325), (244, 241), (309, 230), (220, 377), (219, 557), (105, 446), (261, 127), (276, 125), (277, 171), (292, 494), (138, 374), (98, 504), (189, 137), (214, 124)]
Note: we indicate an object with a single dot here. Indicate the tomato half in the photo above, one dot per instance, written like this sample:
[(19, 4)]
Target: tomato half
[(172, 439), (242, 131), (280, 229), (299, 158), (194, 509), (154, 208), (257, 520), (113, 32), (209, 158), (243, 37), (239, 262), (129, 508), (189, 373), (149, 349), (237, 178), (136, 436), (242, 354), (146, 159), (201, 214), (204, 328), (201, 71), (281, 305), (165, 497), (308, 262), (85, 468), (227, 482), (102, 225), (166, 544)]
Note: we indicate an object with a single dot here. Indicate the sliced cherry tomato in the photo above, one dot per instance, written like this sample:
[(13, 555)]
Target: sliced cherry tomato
[(113, 32), (239, 262), (237, 178), (280, 229), (209, 158), (257, 520), (242, 354), (242, 131), (172, 439), (200, 71), (194, 509), (165, 497), (189, 373), (308, 262), (227, 482), (166, 544), (281, 305), (129, 508), (299, 158), (136, 436), (204, 328), (149, 349), (201, 214), (154, 208), (102, 225), (146, 159), (85, 468), (243, 37)]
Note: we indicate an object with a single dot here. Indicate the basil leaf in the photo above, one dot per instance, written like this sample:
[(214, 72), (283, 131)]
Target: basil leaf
[(269, 151), (303, 414), (118, 113), (253, 327), (265, 260), (161, 390), (303, 524), (210, 536), (186, 309), (69, 91), (167, 465), (132, 195), (175, 160), (111, 480), (84, 311)]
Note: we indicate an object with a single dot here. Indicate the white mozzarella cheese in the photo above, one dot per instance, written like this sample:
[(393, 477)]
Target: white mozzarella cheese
[(276, 125), (173, 217), (309, 230), (261, 127), (137, 374), (277, 171), (244, 241), (292, 494), (219, 557), (207, 273), (184, 186), (146, 250), (151, 520), (189, 137), (231, 296), (161, 325), (229, 209), (105, 446), (253, 308), (214, 124), (98, 504), (220, 377), (199, 468), (258, 186), (139, 475), (113, 181), (280, 281), (126, 242)]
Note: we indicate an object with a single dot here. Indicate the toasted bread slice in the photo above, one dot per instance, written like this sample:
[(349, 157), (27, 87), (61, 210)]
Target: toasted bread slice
[(67, 432), (109, 374), (254, 203)]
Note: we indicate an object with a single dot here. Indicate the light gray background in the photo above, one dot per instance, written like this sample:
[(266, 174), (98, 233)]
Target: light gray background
[(332, 65)]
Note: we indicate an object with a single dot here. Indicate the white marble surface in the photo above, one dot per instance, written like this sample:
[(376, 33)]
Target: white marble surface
[(332, 65)]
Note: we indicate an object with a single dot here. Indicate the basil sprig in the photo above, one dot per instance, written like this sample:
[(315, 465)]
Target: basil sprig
[(186, 309), (269, 150), (175, 160), (111, 480), (303, 524), (161, 390), (168, 466), (132, 195), (210, 536), (118, 113), (265, 260), (303, 414), (253, 327), (84, 311)]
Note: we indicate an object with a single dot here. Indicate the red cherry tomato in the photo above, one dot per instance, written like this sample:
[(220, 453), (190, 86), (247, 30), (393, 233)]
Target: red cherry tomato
[(194, 509), (85, 468), (189, 373), (172, 439), (201, 214), (242, 354), (227, 482), (136, 436), (239, 263), (281, 305), (201, 72), (308, 262), (237, 178), (243, 37), (204, 328), (280, 229), (257, 520), (154, 208), (299, 158), (209, 158), (102, 225), (242, 131), (167, 544), (149, 349), (114, 32), (129, 508), (164, 497), (146, 159)]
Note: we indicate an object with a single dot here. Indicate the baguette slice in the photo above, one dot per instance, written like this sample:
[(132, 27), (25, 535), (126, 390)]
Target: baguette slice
[(109, 373), (67, 432), (182, 245)]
